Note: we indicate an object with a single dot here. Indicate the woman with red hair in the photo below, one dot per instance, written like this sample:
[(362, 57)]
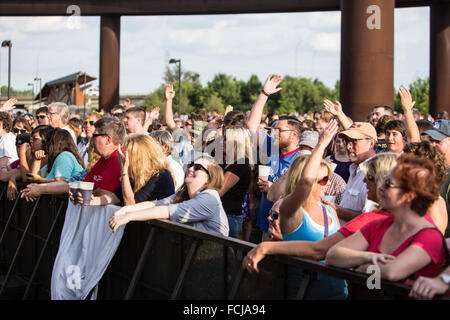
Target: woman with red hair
[(406, 243)]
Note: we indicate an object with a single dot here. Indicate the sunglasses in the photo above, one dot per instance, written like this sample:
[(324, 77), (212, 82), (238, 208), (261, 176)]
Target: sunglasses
[(198, 166), (41, 117), (389, 185), (89, 122), (323, 181), (95, 135), (118, 114), (16, 130)]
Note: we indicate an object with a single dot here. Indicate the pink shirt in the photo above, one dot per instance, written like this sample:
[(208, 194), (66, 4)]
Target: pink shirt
[(428, 239)]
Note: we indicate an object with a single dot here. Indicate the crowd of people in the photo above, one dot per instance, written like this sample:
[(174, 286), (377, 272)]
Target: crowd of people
[(349, 194)]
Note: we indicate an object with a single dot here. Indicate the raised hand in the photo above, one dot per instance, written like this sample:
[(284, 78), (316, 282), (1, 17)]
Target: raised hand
[(39, 155), (334, 108), (406, 99), (123, 159), (329, 132), (170, 93), (127, 102), (228, 109), (154, 114), (9, 105), (271, 85)]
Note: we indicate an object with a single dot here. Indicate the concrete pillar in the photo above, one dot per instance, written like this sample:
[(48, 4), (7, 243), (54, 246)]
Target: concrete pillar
[(109, 61), (439, 58), (367, 56)]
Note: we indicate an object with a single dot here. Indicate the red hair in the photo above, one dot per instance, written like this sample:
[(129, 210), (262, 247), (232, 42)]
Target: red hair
[(420, 176)]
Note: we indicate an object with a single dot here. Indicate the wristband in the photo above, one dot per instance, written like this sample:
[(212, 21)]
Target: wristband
[(265, 93)]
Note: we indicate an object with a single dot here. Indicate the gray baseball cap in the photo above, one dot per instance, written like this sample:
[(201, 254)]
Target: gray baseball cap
[(309, 138), (440, 129)]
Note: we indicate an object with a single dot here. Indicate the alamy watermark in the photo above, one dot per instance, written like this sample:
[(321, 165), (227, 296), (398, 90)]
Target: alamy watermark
[(374, 20), (73, 274), (374, 281), (74, 21)]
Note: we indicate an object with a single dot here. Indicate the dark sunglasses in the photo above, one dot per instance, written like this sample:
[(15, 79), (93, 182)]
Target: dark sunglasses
[(323, 181), (41, 117), (16, 130), (118, 114), (89, 122), (389, 185), (198, 166), (95, 135)]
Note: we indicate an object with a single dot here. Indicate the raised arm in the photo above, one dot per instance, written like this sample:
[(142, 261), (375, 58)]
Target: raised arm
[(127, 190), (168, 112), (270, 87), (293, 202), (407, 106), (151, 116), (8, 105), (335, 108)]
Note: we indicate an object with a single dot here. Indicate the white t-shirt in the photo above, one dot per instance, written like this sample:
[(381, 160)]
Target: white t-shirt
[(177, 171), (8, 147), (71, 133)]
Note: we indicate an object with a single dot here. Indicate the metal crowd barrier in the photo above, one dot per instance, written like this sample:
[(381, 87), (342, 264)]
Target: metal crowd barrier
[(157, 260)]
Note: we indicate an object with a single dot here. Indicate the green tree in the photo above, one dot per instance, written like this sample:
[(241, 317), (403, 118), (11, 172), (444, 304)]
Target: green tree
[(227, 88), (420, 94), (15, 93), (214, 102)]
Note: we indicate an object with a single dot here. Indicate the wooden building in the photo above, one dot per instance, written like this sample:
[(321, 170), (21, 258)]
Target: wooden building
[(69, 89)]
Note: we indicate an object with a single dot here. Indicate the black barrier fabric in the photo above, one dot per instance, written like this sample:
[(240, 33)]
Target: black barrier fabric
[(179, 262)]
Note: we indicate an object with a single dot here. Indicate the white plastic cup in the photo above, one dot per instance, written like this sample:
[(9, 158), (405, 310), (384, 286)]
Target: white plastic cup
[(263, 171), (86, 189)]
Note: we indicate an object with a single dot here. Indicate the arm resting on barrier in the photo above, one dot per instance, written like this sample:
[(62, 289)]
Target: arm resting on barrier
[(139, 212), (305, 249), (351, 252)]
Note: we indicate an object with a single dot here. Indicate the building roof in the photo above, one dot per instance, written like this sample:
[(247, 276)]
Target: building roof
[(80, 77)]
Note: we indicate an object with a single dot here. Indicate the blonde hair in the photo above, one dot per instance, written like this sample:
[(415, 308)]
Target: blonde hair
[(239, 145), (294, 174), (146, 158), (379, 166), (215, 182)]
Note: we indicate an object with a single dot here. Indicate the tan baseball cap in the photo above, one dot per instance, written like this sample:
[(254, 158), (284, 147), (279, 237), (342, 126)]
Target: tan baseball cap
[(360, 130)]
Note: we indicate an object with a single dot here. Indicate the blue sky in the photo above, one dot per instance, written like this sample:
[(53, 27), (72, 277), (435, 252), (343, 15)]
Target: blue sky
[(297, 44)]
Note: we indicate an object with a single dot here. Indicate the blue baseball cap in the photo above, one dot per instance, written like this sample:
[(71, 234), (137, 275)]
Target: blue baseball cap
[(440, 129)]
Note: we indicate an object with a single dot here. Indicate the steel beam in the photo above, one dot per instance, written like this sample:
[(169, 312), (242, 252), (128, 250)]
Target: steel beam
[(109, 61), (439, 58), (367, 56)]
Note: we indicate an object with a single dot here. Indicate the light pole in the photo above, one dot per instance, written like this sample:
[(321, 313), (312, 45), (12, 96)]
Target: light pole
[(8, 43), (179, 82), (40, 91), (32, 92)]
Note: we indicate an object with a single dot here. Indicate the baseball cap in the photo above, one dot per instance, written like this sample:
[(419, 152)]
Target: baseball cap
[(309, 138), (360, 130), (440, 129)]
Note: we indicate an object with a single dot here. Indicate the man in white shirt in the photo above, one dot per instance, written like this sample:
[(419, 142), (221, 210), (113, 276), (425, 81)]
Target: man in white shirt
[(360, 141), (58, 116), (8, 151)]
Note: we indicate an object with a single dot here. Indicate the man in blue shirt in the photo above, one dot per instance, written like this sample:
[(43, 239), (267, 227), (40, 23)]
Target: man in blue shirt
[(283, 146)]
